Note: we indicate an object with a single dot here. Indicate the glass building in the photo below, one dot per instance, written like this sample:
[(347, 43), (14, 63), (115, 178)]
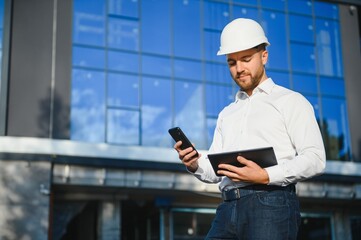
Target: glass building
[(89, 89), (135, 75)]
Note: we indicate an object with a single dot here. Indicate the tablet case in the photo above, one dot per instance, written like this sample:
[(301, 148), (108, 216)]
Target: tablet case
[(264, 157)]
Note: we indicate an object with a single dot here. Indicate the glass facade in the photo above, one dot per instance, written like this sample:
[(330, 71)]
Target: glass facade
[(141, 67)]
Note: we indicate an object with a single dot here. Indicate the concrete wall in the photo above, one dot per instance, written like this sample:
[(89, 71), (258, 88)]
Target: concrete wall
[(24, 199)]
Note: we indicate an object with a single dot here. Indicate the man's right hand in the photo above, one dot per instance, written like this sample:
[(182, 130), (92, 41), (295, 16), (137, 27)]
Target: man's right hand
[(188, 156)]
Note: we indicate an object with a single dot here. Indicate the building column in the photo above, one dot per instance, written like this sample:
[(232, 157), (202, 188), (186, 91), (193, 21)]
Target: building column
[(342, 225), (109, 220)]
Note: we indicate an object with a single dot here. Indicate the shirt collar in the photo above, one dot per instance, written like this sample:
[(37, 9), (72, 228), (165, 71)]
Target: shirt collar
[(266, 86)]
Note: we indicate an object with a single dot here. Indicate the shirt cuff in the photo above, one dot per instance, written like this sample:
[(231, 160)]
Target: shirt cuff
[(276, 175)]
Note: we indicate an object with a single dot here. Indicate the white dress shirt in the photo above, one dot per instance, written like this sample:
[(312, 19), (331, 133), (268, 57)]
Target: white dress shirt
[(273, 116)]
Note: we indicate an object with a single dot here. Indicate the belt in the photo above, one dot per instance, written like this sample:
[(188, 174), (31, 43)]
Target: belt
[(237, 193)]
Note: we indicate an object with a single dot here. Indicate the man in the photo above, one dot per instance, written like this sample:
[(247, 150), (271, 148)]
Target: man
[(258, 203)]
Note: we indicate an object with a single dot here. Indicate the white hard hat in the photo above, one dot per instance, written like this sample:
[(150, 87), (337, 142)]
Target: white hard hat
[(241, 34)]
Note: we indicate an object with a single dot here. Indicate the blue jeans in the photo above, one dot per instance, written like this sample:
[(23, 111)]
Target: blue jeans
[(257, 215)]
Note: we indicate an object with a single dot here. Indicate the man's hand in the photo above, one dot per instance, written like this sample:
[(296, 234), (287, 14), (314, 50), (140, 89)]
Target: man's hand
[(251, 172), (188, 156)]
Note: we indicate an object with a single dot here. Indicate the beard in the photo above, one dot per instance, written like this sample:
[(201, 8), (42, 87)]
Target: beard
[(248, 82)]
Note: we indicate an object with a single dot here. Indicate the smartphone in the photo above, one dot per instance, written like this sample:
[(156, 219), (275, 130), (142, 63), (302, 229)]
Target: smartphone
[(178, 135)]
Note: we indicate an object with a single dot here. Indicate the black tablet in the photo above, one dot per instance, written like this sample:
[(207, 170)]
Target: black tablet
[(264, 157)]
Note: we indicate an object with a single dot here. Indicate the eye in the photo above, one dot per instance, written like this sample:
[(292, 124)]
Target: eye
[(231, 63)]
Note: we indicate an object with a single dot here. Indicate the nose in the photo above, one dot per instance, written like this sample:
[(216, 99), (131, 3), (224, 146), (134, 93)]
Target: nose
[(239, 67)]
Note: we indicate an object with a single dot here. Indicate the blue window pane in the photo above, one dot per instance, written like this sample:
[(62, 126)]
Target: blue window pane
[(305, 83), (189, 105), (187, 34), (216, 15), (273, 4), (300, 6), (156, 66), (301, 29), (121, 61), (248, 2), (89, 22), (280, 78), (123, 34), (326, 10), (332, 86), (335, 129), (127, 8), (155, 24), (211, 45), (188, 69), (88, 57), (123, 127), (123, 90), (2, 8), (156, 112), (88, 106), (218, 73), (303, 58), (245, 12), (329, 48), (211, 126), (274, 24), (217, 97)]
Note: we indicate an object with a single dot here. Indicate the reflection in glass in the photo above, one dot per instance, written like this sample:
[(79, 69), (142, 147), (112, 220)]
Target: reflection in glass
[(280, 78), (123, 126), (123, 34), (127, 8), (88, 57), (211, 46), (335, 129), (303, 58), (156, 111), (189, 110), (305, 84), (332, 86), (277, 58), (217, 97), (218, 73), (87, 106), (188, 69), (155, 25), (301, 29), (328, 48), (325, 10), (216, 15), (123, 90), (89, 23), (158, 66), (300, 6), (122, 61), (245, 12), (274, 4), (187, 25)]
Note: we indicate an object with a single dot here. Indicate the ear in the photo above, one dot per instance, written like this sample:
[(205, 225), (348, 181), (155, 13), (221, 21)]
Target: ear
[(264, 57)]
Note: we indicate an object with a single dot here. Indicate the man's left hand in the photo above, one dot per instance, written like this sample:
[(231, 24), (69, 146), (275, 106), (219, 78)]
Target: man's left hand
[(251, 172)]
